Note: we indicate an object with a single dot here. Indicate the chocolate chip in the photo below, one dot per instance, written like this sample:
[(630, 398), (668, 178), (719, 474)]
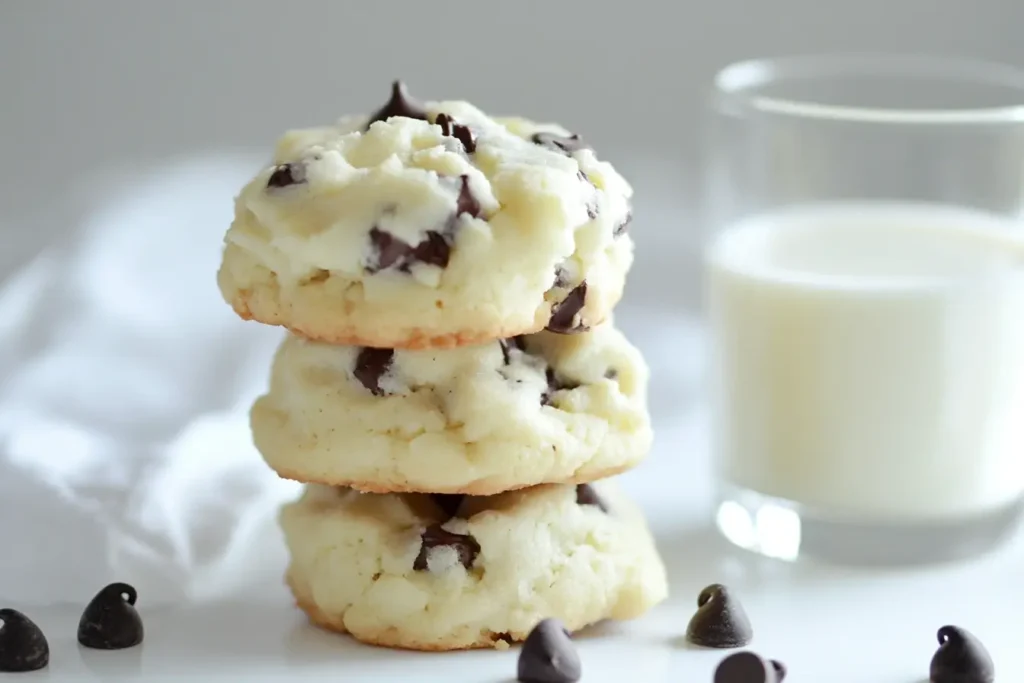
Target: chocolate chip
[(587, 495), (285, 175), (560, 143), (548, 655), (746, 667), (466, 203), (623, 227), (511, 343), (400, 104), (561, 276), (780, 670), (23, 646), (458, 131), (563, 314), (720, 621), (436, 537), (392, 252), (555, 384), (611, 373), (110, 621), (591, 205), (371, 365), (448, 502), (961, 658)]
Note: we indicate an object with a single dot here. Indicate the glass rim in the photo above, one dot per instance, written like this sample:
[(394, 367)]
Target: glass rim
[(739, 82)]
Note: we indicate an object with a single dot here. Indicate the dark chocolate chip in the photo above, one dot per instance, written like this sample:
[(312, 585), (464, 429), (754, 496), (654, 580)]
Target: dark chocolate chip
[(720, 621), (285, 175), (611, 373), (458, 131), (780, 670), (400, 104), (591, 210), (555, 384), (560, 143), (371, 365), (511, 343), (449, 503), (623, 227), (466, 203), (563, 314), (503, 637), (394, 253), (23, 646), (548, 655), (961, 658), (436, 537), (587, 495), (561, 276), (110, 621), (746, 667)]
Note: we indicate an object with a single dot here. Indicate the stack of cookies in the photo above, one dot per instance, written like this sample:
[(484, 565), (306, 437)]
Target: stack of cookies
[(452, 390)]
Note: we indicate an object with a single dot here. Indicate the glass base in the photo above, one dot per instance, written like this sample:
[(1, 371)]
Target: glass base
[(786, 530)]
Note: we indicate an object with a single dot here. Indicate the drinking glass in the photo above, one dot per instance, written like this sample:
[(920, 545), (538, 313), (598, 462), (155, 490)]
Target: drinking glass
[(864, 283)]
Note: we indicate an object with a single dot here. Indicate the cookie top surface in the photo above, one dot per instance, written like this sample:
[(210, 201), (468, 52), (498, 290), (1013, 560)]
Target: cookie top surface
[(507, 414), (461, 226)]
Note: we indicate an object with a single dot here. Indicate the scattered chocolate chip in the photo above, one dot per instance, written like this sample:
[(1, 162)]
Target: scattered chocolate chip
[(623, 227), (587, 495), (448, 502), (560, 143), (392, 252), (746, 667), (611, 373), (591, 210), (548, 655), (961, 658), (511, 343), (23, 646), (720, 621), (554, 384), (466, 203), (563, 314), (458, 131), (780, 670), (371, 365), (400, 104), (436, 537), (285, 175), (110, 621)]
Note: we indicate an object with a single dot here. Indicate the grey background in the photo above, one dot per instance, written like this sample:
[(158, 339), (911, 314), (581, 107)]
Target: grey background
[(93, 84)]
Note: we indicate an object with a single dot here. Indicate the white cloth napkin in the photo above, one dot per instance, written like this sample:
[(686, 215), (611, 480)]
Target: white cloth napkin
[(124, 388), (125, 383)]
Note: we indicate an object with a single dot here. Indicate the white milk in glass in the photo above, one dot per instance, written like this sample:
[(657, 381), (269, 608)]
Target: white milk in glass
[(870, 359)]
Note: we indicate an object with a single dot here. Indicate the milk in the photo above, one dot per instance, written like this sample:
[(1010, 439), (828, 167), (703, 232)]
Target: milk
[(869, 359)]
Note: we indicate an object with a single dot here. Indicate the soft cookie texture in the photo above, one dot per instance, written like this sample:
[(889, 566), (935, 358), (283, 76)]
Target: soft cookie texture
[(429, 226), (451, 572), (541, 408)]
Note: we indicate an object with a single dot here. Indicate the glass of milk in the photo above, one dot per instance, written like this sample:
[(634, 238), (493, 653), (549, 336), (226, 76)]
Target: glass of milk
[(865, 297)]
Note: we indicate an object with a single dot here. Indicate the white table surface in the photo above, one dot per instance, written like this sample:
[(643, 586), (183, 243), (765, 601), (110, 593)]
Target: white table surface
[(832, 624)]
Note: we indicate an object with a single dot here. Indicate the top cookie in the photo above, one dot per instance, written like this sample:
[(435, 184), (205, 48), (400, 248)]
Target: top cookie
[(429, 225)]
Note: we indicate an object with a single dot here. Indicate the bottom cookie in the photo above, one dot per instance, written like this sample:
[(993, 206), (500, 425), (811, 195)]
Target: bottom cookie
[(447, 572)]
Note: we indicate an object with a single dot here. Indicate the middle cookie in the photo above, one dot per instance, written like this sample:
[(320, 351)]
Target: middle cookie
[(542, 408)]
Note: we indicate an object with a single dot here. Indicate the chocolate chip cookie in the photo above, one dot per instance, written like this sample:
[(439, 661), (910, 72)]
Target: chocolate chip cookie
[(482, 419), (429, 225), (430, 572)]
